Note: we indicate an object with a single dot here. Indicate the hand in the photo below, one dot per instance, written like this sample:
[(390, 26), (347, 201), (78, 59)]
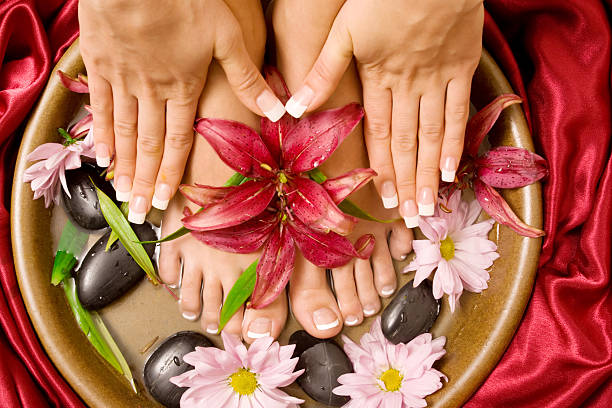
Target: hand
[(147, 63), (416, 60)]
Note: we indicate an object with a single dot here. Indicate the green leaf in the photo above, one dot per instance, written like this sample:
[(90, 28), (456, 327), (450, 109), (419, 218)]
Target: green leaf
[(240, 292), (236, 180), (62, 266), (71, 244), (125, 209), (317, 175), (126, 234)]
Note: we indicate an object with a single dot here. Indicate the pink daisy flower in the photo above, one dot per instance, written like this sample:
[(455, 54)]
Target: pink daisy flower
[(391, 375), (456, 248), (239, 378)]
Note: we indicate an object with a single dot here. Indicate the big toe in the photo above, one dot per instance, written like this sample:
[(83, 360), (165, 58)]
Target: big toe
[(400, 241), (268, 321)]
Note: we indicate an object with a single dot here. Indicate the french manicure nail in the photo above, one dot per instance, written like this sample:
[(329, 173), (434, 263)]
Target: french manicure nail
[(190, 316), (426, 202), (410, 214), (325, 319), (387, 290), (259, 328), (270, 105), (138, 210), (369, 311), (389, 195), (123, 187), (102, 155), (351, 320), (298, 103), (161, 198), (449, 169), (212, 328)]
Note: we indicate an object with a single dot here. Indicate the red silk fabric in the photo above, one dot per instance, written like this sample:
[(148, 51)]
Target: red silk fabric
[(556, 54)]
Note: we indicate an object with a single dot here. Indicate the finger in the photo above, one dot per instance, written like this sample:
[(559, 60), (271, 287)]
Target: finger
[(377, 133), (150, 147), (326, 72), (244, 77), (177, 145), (404, 128), (126, 132), (456, 115), (101, 100), (431, 129)]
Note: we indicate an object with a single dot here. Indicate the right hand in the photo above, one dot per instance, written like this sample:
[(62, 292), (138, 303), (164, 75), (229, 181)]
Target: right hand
[(147, 63)]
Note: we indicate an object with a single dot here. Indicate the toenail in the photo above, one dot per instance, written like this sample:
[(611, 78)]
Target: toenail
[(387, 290), (369, 312), (325, 319), (259, 328), (351, 320), (212, 328), (172, 286), (190, 316), (403, 257)]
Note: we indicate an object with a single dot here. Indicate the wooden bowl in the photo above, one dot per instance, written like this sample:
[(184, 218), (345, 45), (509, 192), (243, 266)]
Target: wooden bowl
[(477, 334)]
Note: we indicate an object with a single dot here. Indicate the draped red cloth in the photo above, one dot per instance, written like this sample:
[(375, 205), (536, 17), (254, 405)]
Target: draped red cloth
[(556, 54)]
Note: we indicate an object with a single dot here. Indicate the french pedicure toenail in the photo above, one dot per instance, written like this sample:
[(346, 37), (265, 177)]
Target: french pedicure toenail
[(270, 105), (123, 187), (102, 155), (351, 321), (387, 290), (259, 328), (389, 195), (410, 214), (325, 319), (212, 328), (138, 210), (190, 316), (448, 170), (161, 198), (426, 202), (299, 102), (369, 311)]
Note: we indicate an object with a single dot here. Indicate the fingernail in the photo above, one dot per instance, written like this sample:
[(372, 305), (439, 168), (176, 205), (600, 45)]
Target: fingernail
[(190, 316), (138, 210), (212, 328), (369, 311), (387, 290), (325, 319), (449, 169), (102, 155), (270, 105), (426, 202), (123, 187), (351, 320), (259, 328), (389, 195), (298, 103), (161, 198), (410, 214)]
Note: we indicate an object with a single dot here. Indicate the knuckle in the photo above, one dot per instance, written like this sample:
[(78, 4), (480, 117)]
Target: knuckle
[(427, 171), (248, 78), (405, 143), (143, 184), (321, 71), (125, 128), (458, 112), (179, 140), (408, 184), (377, 129), (149, 145), (431, 132)]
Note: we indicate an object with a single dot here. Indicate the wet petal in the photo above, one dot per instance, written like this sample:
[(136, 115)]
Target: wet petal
[(317, 136), (341, 187), (239, 146), (78, 85), (500, 211), (510, 167), (204, 195)]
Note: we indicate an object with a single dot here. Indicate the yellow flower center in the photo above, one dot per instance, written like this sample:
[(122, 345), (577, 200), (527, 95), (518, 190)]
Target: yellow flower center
[(243, 382), (447, 249), (282, 177), (392, 380)]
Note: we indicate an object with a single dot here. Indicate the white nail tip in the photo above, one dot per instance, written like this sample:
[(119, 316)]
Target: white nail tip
[(276, 113), (295, 108), (390, 202), (426, 210), (212, 331), (103, 161), (387, 292), (159, 204), (136, 218), (254, 335), (328, 326), (190, 316), (448, 176), (369, 312), (351, 322), (123, 196), (412, 222)]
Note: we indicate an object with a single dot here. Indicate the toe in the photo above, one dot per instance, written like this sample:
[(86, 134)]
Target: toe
[(346, 293), (384, 272), (400, 242), (212, 296), (268, 321), (366, 290), (191, 286), (234, 325), (312, 301), (169, 265)]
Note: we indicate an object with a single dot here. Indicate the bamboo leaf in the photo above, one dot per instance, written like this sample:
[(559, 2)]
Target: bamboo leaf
[(125, 209), (70, 246), (126, 234), (238, 295)]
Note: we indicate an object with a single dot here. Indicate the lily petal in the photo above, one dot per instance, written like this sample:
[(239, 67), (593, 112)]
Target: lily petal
[(239, 205), (495, 205), (480, 124), (81, 127), (317, 136), (311, 203), (75, 85), (341, 187), (510, 167), (204, 195), (239, 146), (274, 268)]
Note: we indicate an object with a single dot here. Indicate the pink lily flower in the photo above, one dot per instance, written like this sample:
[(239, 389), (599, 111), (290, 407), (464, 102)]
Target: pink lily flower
[(280, 207)]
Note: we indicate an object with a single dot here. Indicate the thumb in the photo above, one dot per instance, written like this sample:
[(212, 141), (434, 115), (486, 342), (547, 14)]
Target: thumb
[(243, 75), (326, 72)]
